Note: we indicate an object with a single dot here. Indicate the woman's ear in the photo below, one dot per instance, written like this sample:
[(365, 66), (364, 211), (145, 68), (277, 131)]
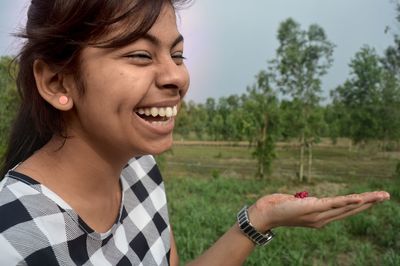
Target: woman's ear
[(51, 86)]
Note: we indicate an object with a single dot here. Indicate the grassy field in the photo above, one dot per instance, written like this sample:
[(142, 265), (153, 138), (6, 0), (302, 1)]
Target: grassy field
[(208, 184)]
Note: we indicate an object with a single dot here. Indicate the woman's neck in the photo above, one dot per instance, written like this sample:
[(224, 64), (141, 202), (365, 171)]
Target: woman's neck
[(80, 175)]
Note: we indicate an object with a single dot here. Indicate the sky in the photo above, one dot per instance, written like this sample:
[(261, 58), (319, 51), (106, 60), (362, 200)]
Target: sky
[(228, 42)]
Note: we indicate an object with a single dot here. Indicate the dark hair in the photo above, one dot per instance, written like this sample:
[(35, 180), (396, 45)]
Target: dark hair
[(56, 32)]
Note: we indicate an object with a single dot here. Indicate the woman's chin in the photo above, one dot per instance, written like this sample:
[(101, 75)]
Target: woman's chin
[(158, 148)]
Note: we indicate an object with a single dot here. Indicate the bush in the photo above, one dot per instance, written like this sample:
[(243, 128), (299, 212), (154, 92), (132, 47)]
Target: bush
[(380, 225)]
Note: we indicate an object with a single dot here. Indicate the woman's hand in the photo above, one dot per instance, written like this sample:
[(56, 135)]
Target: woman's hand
[(286, 210)]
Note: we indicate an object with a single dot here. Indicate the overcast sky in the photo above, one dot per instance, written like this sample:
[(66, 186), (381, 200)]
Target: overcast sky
[(227, 42)]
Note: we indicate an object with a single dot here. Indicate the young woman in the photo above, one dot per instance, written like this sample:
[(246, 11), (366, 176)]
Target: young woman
[(101, 82)]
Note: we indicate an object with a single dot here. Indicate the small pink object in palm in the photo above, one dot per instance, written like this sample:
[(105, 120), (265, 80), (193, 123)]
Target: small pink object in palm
[(302, 194)]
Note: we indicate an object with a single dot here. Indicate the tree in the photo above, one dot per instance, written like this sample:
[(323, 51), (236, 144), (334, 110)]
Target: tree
[(338, 120), (210, 107), (366, 96), (289, 117), (390, 111), (183, 121), (226, 108), (199, 118), (303, 57), (217, 126), (391, 60), (261, 122)]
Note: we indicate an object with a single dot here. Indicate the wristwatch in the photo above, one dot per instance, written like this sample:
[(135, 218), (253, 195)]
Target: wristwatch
[(248, 229)]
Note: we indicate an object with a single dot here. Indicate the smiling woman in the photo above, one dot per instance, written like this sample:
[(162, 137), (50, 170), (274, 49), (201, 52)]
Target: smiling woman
[(101, 83), (99, 88)]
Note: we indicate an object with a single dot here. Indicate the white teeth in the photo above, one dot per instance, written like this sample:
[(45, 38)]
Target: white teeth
[(168, 111), (154, 111), (160, 123), (161, 112), (158, 111)]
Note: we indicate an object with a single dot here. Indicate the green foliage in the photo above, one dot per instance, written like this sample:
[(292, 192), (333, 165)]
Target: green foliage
[(378, 225), (191, 172), (9, 99), (253, 117), (365, 108), (391, 257), (397, 171), (215, 174), (302, 58), (261, 122), (370, 97), (161, 159), (211, 204)]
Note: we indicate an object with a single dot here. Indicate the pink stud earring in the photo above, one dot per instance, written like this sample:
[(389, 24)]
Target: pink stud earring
[(63, 100)]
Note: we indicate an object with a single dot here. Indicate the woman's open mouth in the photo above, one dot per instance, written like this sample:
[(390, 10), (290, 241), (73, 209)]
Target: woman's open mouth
[(157, 115)]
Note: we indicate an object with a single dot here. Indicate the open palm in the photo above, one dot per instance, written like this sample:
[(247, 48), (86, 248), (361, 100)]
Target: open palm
[(286, 210)]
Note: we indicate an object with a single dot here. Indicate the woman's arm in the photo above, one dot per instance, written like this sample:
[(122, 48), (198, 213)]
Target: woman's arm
[(284, 210), (231, 249), (174, 258)]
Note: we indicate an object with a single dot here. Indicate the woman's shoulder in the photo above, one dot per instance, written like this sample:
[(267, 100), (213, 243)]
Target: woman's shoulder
[(142, 183), (23, 206), (142, 168), (14, 189), (23, 224)]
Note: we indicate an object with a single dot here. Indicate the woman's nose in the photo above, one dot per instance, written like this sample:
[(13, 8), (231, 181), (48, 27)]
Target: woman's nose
[(172, 75)]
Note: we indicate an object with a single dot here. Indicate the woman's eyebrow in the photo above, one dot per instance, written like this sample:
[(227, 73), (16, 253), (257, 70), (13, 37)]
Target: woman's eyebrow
[(156, 41)]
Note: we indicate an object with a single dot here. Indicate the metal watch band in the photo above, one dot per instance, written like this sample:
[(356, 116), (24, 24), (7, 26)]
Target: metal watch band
[(248, 229)]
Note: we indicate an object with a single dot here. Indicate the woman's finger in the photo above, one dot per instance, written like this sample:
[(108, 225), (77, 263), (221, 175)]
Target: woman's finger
[(346, 214), (338, 212), (326, 204)]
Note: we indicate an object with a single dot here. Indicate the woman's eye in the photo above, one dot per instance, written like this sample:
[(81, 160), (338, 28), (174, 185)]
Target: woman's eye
[(140, 57), (178, 58)]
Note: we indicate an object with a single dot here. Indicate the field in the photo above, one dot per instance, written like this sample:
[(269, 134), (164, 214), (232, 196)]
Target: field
[(207, 183)]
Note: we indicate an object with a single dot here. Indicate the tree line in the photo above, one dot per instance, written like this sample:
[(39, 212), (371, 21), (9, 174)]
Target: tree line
[(285, 101)]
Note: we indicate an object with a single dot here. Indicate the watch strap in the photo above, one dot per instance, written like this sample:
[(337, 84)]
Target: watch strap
[(260, 239)]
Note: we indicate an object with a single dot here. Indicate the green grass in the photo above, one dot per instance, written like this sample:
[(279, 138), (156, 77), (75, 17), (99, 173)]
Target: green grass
[(207, 185)]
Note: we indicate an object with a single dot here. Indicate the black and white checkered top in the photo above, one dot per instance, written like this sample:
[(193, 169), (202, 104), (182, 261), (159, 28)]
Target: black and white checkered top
[(38, 228)]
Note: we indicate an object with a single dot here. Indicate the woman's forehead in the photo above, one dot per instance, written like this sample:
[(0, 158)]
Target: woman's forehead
[(164, 23), (128, 22)]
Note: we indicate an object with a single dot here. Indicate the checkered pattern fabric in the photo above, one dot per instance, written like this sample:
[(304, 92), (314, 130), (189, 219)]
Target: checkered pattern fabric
[(38, 228)]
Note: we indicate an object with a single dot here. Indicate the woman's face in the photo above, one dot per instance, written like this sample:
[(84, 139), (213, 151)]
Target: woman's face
[(132, 93)]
